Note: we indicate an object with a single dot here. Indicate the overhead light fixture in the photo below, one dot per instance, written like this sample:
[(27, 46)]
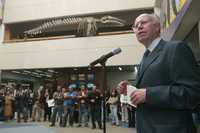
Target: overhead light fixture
[(39, 71), (25, 71), (41, 74), (15, 71), (49, 80), (35, 73), (50, 70), (135, 69), (49, 76), (120, 68), (38, 76)]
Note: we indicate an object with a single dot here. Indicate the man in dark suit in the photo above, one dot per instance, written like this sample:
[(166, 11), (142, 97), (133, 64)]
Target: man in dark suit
[(168, 82)]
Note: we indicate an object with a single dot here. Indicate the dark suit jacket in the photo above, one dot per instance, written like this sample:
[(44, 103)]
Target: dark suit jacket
[(172, 80)]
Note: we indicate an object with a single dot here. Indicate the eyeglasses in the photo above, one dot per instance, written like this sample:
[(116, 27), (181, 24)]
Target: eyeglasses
[(136, 26)]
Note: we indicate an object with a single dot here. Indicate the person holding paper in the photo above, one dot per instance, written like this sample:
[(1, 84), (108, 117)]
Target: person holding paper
[(168, 82)]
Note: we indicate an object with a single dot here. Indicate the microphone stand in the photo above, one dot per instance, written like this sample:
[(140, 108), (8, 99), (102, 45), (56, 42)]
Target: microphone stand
[(102, 61), (104, 88)]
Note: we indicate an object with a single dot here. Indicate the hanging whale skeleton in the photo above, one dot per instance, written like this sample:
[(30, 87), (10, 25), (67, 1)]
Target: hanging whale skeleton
[(87, 26)]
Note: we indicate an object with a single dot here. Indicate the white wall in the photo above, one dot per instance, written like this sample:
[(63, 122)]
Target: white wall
[(71, 52), (23, 10)]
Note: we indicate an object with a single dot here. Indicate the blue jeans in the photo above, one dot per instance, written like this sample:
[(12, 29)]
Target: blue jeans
[(83, 114)]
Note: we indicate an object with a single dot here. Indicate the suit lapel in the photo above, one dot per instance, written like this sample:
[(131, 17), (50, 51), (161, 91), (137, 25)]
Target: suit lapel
[(150, 59)]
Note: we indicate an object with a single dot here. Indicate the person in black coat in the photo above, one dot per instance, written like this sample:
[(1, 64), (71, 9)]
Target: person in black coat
[(95, 99), (21, 104), (2, 104), (168, 82)]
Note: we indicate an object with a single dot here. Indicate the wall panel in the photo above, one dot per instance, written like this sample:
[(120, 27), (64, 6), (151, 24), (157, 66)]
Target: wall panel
[(72, 52)]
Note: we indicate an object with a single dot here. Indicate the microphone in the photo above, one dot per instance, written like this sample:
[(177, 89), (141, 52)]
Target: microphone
[(103, 58)]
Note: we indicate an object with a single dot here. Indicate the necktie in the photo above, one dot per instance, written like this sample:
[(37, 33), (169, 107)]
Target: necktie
[(142, 64), (146, 53)]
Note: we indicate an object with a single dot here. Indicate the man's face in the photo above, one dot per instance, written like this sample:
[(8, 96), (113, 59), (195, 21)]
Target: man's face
[(58, 88), (146, 29), (82, 88), (71, 89)]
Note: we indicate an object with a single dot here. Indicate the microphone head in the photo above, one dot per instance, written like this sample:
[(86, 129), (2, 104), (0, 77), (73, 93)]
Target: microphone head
[(116, 51)]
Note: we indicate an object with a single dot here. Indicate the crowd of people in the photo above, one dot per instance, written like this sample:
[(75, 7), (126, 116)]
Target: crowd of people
[(71, 106)]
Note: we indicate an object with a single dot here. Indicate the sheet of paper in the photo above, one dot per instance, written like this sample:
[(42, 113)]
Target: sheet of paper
[(123, 98), (130, 89), (51, 102)]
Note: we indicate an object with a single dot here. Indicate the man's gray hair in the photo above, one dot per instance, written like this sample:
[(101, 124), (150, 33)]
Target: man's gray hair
[(155, 18)]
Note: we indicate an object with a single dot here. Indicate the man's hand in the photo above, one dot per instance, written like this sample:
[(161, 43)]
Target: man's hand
[(122, 86), (138, 96)]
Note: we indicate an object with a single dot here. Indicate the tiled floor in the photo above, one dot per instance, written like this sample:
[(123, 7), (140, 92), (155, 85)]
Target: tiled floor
[(12, 127)]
